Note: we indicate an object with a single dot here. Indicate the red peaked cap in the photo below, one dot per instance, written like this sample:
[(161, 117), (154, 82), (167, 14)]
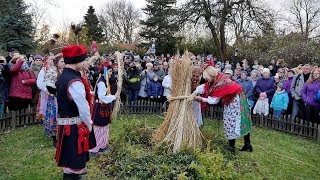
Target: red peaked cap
[(74, 54), (104, 64)]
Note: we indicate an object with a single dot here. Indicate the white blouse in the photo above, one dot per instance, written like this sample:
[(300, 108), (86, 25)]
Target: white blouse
[(211, 100)]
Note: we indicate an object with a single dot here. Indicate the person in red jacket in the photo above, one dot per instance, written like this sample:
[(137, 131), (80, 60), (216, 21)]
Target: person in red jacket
[(22, 79)]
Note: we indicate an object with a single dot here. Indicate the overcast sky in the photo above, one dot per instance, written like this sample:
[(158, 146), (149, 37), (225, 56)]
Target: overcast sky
[(63, 12)]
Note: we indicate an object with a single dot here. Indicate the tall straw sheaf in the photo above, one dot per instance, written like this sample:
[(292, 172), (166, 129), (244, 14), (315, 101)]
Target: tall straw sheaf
[(179, 127)]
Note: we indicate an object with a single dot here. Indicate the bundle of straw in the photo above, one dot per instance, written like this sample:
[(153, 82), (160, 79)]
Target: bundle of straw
[(179, 127), (117, 104)]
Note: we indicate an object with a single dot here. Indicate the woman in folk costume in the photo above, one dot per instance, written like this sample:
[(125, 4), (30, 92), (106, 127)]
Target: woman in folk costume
[(236, 114), (46, 82), (101, 112)]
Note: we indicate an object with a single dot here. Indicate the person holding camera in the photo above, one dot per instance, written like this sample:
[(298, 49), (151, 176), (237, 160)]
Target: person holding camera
[(22, 80)]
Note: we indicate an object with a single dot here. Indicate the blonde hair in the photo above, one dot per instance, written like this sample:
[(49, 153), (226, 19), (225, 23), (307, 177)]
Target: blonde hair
[(310, 80)]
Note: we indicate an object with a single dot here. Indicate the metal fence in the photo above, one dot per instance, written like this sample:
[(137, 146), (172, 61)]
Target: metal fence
[(299, 127)]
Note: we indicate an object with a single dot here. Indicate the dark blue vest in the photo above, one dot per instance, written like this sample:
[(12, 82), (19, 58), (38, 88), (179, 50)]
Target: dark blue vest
[(101, 111), (66, 106)]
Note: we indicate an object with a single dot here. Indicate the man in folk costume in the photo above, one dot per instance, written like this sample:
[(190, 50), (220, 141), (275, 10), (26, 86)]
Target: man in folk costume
[(236, 114), (74, 119), (195, 81), (101, 112)]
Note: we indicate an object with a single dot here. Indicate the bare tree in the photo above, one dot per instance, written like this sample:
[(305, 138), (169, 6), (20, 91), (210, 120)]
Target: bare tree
[(250, 19), (38, 15), (120, 19), (305, 15)]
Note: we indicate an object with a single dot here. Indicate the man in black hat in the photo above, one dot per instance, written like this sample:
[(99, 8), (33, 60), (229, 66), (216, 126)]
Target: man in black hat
[(74, 119)]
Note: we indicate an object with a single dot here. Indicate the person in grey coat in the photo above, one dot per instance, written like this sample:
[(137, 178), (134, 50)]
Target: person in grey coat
[(296, 87), (146, 77)]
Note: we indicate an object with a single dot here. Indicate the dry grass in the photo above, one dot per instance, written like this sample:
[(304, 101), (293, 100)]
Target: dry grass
[(179, 127)]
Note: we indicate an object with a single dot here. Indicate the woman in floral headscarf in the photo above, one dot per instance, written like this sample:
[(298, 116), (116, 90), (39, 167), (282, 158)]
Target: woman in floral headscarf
[(236, 114)]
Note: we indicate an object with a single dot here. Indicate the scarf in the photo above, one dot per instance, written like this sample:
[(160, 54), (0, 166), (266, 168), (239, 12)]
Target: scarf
[(223, 87)]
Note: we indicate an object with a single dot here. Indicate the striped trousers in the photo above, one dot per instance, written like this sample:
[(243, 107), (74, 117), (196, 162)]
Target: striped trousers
[(102, 137)]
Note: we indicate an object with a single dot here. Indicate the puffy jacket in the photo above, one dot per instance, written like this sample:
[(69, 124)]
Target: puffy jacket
[(155, 89), (261, 107), (17, 89), (309, 91), (265, 85), (133, 79), (280, 101)]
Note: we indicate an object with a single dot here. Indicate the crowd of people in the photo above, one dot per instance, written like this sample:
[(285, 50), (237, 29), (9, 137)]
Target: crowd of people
[(270, 88), (73, 90)]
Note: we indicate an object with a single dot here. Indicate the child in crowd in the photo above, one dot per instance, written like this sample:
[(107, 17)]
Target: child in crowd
[(262, 105), (279, 102), (155, 90)]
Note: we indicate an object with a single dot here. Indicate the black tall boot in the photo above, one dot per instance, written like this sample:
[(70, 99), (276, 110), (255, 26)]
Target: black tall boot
[(232, 143), (72, 176), (247, 144), (54, 138)]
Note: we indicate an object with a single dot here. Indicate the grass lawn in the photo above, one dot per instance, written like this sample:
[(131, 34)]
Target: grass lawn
[(26, 154)]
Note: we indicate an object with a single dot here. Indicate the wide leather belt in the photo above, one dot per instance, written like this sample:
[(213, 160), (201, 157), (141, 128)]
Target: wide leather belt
[(69, 121)]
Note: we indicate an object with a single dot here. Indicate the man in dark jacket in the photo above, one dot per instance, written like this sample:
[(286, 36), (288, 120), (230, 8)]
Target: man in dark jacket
[(133, 83)]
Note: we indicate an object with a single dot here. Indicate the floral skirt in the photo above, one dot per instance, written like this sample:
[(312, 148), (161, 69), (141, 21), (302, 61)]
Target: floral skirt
[(237, 117), (50, 120)]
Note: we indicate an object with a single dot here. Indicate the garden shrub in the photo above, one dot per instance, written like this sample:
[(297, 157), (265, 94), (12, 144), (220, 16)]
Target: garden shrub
[(135, 157)]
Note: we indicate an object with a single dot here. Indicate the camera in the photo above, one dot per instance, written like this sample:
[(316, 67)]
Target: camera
[(237, 49)]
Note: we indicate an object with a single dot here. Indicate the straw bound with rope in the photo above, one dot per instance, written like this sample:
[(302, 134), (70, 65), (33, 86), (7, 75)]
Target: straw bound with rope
[(179, 127)]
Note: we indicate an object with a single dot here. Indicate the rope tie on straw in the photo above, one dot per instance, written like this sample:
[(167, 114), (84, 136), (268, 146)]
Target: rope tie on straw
[(189, 98)]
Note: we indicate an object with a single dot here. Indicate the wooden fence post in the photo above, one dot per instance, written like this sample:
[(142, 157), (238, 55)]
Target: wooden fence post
[(13, 119), (318, 137)]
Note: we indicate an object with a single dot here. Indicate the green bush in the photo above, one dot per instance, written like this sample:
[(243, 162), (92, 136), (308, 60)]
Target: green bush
[(134, 156)]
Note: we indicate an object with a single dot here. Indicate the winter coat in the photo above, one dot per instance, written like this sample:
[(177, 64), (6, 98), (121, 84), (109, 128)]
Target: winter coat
[(297, 86), (146, 77), (247, 87), (155, 89), (133, 79), (261, 107), (3, 94), (17, 89), (309, 91), (265, 85), (280, 101), (254, 81), (287, 85), (36, 69), (166, 84)]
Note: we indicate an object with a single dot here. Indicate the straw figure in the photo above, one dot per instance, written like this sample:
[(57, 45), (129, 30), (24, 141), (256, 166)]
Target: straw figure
[(117, 104), (180, 127)]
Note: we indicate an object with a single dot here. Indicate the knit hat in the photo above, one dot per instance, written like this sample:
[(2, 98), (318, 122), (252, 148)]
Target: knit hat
[(228, 71), (210, 71), (38, 56), (266, 70), (281, 86), (74, 54), (228, 66), (263, 95)]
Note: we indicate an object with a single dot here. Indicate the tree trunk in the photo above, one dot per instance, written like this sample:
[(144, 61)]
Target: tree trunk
[(215, 39), (223, 41)]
